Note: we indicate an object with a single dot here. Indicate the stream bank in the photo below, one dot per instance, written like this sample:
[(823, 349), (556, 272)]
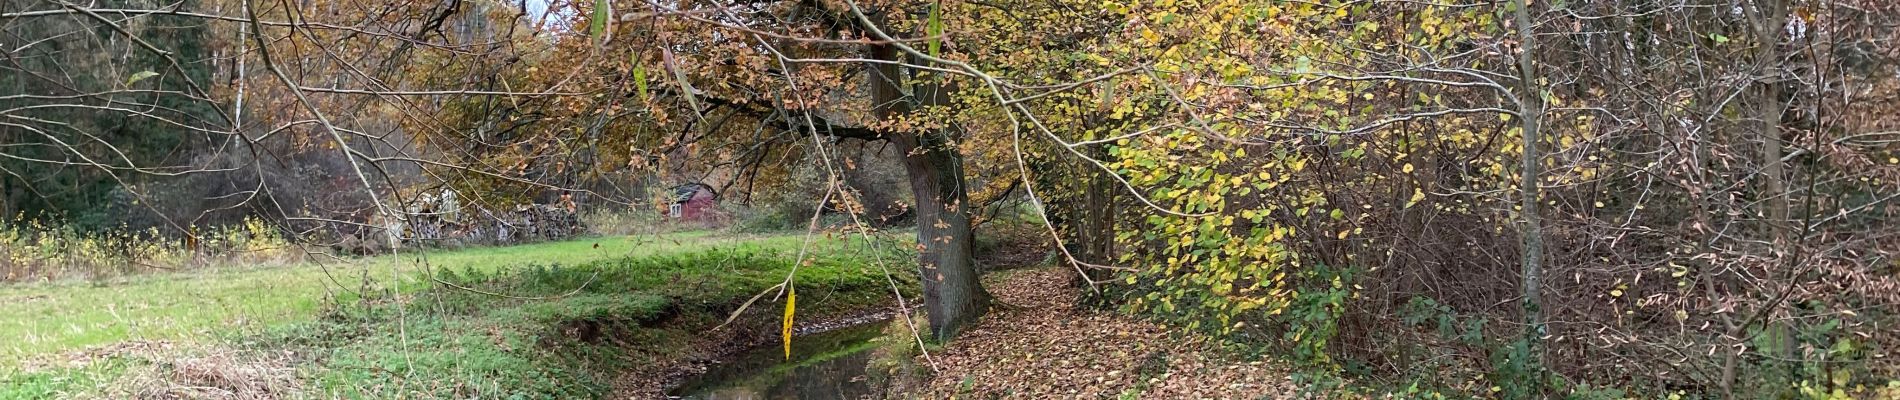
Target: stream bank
[(732, 355), (827, 364)]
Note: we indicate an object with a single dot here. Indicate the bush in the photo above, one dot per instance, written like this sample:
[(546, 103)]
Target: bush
[(33, 250), (757, 220), (623, 222)]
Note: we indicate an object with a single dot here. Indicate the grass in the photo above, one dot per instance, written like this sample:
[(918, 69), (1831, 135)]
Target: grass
[(406, 334), (50, 318), (630, 311), (63, 383)]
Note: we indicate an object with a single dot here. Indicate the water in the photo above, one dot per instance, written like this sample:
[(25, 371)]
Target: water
[(826, 365)]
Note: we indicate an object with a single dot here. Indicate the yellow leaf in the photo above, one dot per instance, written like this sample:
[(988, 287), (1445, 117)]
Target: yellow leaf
[(1407, 168), (791, 301)]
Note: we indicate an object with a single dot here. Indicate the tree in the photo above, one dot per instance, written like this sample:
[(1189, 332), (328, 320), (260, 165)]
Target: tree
[(1677, 194), (1531, 111)]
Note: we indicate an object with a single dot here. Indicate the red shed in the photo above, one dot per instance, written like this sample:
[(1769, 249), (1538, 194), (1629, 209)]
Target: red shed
[(692, 202)]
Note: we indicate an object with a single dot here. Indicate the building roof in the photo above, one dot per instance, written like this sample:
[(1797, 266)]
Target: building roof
[(684, 193)]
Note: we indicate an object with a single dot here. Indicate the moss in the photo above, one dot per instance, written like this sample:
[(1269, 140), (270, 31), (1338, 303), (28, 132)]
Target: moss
[(893, 364)]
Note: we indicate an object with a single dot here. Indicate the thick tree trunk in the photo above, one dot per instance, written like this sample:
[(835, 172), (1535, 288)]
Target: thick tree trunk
[(953, 295)]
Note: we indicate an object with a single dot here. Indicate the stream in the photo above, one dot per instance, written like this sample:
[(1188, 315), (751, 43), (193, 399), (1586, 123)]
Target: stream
[(828, 365)]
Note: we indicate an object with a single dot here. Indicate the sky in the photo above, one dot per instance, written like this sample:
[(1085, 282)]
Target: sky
[(538, 10)]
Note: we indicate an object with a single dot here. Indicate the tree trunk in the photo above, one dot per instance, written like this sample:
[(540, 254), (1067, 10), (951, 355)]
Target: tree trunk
[(1766, 17), (1098, 217), (953, 295), (1531, 111)]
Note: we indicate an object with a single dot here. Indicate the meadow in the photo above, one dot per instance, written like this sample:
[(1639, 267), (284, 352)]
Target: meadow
[(415, 324)]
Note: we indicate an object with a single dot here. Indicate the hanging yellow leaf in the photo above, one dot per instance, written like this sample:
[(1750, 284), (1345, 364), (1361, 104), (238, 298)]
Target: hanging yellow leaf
[(791, 302)]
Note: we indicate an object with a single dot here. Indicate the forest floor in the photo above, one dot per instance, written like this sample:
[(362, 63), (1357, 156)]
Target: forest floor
[(1041, 344)]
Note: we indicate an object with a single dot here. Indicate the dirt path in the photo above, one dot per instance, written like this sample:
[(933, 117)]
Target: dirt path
[(1047, 347)]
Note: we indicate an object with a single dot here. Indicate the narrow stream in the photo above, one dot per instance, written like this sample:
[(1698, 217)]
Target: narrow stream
[(827, 365)]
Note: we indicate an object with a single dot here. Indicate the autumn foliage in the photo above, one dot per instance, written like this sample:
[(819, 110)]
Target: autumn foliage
[(1511, 198)]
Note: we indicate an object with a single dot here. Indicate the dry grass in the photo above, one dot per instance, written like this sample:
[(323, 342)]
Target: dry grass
[(220, 374), (164, 370)]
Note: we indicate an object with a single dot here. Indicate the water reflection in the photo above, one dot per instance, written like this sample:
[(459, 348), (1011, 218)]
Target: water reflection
[(824, 366)]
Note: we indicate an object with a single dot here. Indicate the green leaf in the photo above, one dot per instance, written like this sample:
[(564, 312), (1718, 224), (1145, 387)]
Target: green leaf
[(679, 74), (598, 24), (141, 75), (935, 29), (639, 75)]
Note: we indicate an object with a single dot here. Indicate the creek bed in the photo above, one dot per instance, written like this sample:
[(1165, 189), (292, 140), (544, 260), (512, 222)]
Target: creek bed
[(827, 365)]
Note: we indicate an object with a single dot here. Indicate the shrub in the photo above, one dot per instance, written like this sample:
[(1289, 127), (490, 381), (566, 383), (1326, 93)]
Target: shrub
[(32, 250), (622, 222)]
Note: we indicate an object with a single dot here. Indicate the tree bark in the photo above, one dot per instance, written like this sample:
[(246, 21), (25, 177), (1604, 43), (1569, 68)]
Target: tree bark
[(1765, 18), (953, 295), (1098, 218), (1531, 110)]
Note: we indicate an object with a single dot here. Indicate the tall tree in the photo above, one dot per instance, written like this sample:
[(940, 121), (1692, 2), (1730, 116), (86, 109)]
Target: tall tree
[(953, 295)]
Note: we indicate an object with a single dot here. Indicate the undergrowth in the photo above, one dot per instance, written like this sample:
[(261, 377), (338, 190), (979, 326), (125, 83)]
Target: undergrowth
[(31, 250)]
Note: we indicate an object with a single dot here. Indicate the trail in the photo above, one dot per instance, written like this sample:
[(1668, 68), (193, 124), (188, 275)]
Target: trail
[(1043, 346)]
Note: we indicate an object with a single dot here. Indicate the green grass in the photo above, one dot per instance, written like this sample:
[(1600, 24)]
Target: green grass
[(52, 318), (63, 383), (576, 327), (407, 336)]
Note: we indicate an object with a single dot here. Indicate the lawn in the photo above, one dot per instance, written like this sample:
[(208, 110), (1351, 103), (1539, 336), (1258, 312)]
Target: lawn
[(60, 317)]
